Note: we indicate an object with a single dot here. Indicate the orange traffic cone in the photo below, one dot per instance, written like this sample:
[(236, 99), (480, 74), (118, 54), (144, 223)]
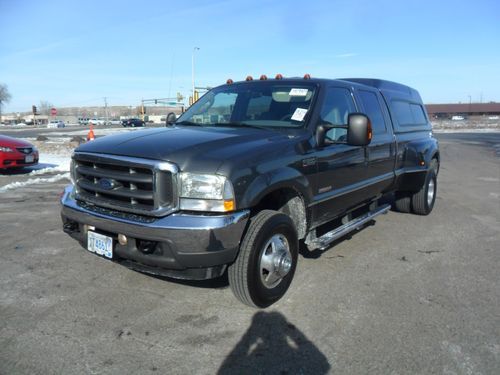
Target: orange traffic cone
[(91, 136)]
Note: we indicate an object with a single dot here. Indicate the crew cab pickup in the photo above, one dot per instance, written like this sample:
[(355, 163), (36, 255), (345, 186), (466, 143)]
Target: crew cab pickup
[(249, 172)]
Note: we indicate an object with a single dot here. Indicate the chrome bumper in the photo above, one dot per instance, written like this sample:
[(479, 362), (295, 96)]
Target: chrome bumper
[(182, 241)]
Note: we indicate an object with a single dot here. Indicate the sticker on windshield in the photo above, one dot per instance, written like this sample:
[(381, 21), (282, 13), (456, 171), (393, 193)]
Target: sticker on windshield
[(298, 92), (299, 114)]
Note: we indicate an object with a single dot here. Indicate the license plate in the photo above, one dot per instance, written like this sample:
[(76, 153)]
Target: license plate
[(29, 159), (100, 244)]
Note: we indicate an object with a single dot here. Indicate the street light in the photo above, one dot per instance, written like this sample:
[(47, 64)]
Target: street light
[(192, 66)]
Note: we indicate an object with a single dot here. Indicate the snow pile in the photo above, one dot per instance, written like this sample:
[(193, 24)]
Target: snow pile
[(34, 181), (60, 163), (465, 126), (47, 170)]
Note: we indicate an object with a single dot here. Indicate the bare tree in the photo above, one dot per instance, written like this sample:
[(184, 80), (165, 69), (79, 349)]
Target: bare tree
[(44, 107), (4, 96)]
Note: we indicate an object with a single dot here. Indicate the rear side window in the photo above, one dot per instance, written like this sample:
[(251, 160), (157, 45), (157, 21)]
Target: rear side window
[(373, 111), (408, 114), (418, 113)]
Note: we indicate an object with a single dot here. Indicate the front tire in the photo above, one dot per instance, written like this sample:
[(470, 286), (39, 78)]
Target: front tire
[(265, 266)]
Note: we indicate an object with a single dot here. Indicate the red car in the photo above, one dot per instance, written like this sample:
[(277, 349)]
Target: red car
[(16, 153)]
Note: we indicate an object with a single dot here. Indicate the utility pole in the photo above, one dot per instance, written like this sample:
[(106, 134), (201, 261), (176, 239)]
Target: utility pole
[(106, 109), (192, 66)]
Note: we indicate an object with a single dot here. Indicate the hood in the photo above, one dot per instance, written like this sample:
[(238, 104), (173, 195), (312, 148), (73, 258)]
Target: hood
[(194, 149), (13, 142)]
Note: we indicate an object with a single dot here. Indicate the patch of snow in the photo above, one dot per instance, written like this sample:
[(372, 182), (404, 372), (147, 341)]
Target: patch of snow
[(34, 181), (61, 162), (466, 130)]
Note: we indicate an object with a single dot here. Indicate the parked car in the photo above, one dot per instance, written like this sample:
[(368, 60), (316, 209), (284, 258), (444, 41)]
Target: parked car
[(114, 122), (133, 122), (457, 118), (16, 153), (97, 121), (249, 172), (56, 124)]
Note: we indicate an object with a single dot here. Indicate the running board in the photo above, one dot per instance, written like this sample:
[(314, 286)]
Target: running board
[(325, 240)]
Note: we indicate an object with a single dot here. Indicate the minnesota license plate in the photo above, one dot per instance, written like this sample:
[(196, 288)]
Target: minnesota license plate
[(100, 244), (29, 159)]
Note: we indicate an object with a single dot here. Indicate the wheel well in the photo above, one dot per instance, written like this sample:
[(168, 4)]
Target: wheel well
[(289, 202), (438, 159)]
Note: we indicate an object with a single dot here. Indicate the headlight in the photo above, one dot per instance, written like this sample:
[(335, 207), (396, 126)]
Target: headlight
[(203, 192), (6, 149)]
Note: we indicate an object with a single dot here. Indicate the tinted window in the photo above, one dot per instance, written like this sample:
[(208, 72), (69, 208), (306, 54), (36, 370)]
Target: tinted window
[(335, 110), (418, 114), (403, 112), (373, 111)]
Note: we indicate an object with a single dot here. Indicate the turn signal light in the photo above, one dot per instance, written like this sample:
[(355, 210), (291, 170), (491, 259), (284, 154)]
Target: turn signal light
[(229, 205)]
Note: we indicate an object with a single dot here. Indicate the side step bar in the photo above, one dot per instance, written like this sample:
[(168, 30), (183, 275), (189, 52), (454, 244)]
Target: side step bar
[(325, 240)]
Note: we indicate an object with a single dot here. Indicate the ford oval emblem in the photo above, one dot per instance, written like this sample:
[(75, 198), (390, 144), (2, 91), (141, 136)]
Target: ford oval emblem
[(106, 184)]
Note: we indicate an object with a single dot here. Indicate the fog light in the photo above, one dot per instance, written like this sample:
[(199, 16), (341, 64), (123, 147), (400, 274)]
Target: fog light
[(122, 239)]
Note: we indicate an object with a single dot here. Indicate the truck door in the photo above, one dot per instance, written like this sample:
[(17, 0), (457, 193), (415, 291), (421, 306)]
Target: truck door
[(381, 150), (341, 168)]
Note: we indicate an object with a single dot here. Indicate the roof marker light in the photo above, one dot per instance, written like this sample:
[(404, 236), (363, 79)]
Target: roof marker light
[(278, 76), (307, 76), (229, 81), (249, 78), (263, 77)]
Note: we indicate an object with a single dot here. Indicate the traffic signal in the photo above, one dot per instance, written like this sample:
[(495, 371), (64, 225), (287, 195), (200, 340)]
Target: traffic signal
[(33, 109)]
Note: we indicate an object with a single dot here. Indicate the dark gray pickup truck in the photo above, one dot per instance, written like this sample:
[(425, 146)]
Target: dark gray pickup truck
[(249, 173)]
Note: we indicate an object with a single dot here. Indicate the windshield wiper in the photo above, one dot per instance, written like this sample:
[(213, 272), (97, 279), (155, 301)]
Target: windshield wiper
[(189, 123), (237, 124)]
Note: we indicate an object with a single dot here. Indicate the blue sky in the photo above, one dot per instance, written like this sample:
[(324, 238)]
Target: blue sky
[(74, 53)]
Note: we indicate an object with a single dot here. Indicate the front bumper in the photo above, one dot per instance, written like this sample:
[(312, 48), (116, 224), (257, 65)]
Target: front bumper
[(181, 245), (16, 159)]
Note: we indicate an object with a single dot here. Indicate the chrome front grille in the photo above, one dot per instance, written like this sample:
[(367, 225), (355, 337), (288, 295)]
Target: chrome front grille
[(25, 150), (135, 185)]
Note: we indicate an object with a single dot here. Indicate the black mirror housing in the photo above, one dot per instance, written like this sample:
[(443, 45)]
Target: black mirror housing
[(171, 118), (359, 129)]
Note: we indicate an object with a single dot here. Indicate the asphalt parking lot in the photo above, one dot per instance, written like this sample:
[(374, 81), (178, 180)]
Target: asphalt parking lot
[(406, 295)]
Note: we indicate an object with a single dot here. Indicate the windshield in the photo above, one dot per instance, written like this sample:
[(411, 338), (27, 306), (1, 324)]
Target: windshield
[(258, 104)]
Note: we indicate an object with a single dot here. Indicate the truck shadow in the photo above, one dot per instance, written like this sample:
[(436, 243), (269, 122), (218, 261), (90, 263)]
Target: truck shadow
[(272, 345)]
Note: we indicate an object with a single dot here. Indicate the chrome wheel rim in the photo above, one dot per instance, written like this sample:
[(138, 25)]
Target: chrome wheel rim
[(431, 190), (275, 261)]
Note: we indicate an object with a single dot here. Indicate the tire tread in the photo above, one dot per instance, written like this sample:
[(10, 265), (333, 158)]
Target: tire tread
[(237, 272)]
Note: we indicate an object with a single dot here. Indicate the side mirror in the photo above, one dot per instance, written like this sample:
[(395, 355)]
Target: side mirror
[(171, 117), (359, 130)]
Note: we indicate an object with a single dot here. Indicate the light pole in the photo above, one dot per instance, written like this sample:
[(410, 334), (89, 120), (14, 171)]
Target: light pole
[(192, 66)]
